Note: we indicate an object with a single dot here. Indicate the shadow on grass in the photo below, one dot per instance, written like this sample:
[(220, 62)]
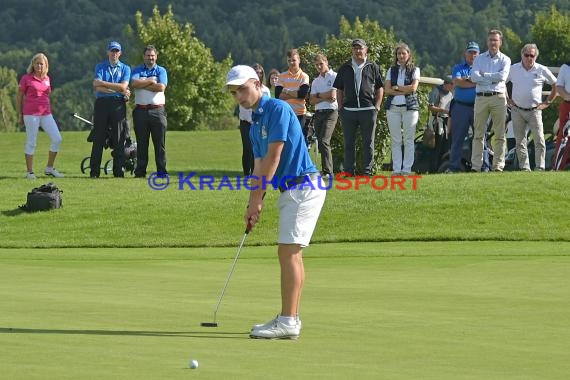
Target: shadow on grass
[(172, 334), (14, 212)]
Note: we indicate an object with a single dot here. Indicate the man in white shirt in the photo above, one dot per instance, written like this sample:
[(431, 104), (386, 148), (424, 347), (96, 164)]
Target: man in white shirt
[(489, 73), (323, 97), (149, 116), (528, 78)]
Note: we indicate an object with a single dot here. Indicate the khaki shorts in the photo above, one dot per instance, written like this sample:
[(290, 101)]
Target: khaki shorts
[(299, 210)]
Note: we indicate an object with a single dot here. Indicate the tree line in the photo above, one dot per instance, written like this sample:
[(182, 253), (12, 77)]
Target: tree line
[(219, 33)]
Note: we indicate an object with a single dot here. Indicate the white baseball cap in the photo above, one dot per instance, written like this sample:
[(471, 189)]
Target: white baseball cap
[(240, 74)]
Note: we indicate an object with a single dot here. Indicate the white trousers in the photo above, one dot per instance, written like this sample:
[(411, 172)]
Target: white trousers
[(402, 124), (47, 123)]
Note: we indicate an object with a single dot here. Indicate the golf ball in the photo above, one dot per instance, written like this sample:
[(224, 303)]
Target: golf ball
[(193, 364)]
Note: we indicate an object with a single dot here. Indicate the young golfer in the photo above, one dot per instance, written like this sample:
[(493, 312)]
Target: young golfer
[(281, 156)]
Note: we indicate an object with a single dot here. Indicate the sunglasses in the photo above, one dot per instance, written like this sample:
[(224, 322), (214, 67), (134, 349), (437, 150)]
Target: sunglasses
[(529, 55)]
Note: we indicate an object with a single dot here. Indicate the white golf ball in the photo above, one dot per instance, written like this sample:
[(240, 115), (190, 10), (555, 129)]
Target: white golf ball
[(193, 364)]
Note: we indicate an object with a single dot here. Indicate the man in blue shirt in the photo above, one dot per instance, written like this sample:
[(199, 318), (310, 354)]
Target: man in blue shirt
[(281, 158), (111, 85), (461, 113), (149, 116)]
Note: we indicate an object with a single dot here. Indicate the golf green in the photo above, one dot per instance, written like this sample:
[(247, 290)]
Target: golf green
[(406, 310)]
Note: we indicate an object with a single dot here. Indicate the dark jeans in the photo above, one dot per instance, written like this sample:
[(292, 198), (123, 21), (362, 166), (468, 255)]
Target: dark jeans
[(461, 120), (150, 123), (325, 121), (366, 120), (247, 149), (109, 125)]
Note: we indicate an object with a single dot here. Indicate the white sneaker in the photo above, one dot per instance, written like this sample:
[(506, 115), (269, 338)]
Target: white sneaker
[(30, 175), (266, 325), (53, 172), (276, 330)]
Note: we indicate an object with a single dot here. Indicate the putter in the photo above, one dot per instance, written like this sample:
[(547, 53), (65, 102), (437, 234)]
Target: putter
[(214, 323)]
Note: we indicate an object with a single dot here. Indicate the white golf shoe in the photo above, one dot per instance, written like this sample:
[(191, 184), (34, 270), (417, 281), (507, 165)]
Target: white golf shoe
[(275, 330), (266, 325), (53, 172)]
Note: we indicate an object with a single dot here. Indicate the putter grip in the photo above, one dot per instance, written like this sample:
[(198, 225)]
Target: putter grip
[(249, 226)]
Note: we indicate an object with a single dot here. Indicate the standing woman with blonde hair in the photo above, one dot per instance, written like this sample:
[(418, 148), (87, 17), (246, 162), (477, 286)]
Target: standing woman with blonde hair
[(402, 108), (35, 112)]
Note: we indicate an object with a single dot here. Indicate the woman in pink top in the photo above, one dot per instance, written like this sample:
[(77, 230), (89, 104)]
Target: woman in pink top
[(35, 112)]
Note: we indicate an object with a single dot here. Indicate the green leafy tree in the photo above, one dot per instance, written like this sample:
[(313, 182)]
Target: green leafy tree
[(8, 93), (195, 93), (550, 33)]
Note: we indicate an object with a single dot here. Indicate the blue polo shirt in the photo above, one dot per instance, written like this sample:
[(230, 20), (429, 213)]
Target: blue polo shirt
[(113, 74), (273, 121), (157, 71), (465, 95)]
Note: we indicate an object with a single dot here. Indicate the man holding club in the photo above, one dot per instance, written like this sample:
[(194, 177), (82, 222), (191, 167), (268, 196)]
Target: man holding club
[(281, 157)]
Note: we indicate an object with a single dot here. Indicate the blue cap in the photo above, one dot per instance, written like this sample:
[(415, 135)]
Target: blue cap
[(472, 46), (114, 45)]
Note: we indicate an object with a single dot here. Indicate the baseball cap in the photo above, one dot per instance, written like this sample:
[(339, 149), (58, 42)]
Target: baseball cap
[(240, 74), (472, 46), (359, 41), (114, 45)]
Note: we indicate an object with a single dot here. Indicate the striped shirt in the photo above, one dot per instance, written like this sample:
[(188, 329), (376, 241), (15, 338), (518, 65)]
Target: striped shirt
[(292, 82)]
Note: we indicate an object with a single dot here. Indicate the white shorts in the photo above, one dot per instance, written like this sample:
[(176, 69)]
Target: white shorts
[(299, 210)]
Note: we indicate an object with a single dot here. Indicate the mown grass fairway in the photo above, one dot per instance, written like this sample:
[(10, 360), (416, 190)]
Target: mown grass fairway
[(372, 310), (466, 277)]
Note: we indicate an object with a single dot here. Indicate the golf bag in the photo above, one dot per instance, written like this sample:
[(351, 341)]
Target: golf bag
[(562, 150), (43, 198), (431, 146)]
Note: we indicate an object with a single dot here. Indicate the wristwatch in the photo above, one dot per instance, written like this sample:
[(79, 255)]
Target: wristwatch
[(318, 95), (396, 88)]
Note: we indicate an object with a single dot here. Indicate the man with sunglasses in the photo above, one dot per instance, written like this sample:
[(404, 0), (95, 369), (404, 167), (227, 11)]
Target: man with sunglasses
[(528, 78)]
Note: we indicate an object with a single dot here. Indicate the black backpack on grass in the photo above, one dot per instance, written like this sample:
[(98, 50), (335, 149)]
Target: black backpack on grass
[(43, 198)]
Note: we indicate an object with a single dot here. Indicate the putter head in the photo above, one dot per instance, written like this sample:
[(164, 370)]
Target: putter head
[(209, 324)]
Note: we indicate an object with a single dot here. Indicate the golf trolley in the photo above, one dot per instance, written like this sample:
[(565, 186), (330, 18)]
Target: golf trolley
[(562, 150), (130, 150)]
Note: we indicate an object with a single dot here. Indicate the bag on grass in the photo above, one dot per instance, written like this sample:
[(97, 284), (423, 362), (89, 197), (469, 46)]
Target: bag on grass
[(43, 198)]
